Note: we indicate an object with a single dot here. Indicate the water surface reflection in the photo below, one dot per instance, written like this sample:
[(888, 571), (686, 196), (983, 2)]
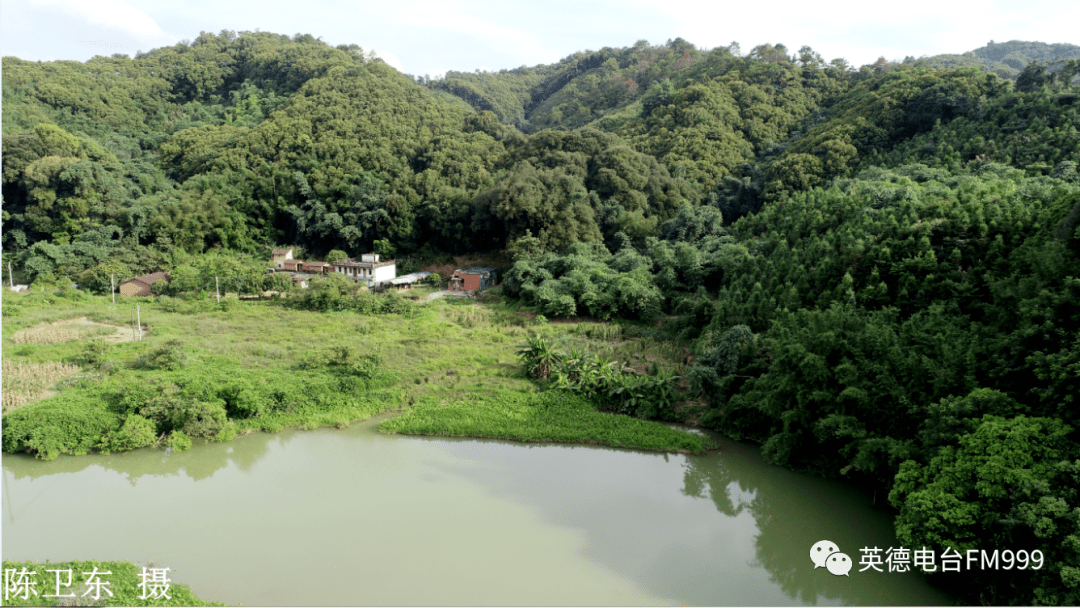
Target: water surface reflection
[(346, 517)]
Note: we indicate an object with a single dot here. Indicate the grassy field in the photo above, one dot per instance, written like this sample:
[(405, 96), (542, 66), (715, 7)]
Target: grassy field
[(124, 579), (209, 371)]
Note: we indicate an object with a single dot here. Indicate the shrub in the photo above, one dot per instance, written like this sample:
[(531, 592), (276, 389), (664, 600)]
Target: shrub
[(71, 423), (241, 399), (137, 432), (178, 441), (95, 352), (170, 356), (173, 411)]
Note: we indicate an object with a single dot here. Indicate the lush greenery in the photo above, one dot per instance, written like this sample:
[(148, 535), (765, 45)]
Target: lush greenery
[(540, 417), (871, 271), (209, 372), (1006, 59), (123, 582)]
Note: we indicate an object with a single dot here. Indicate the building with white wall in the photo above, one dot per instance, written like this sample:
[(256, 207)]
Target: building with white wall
[(370, 270)]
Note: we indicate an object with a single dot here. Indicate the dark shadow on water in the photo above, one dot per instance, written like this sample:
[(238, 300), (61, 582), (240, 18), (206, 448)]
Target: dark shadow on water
[(721, 529)]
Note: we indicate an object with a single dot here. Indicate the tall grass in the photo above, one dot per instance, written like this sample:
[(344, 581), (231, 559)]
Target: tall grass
[(26, 382)]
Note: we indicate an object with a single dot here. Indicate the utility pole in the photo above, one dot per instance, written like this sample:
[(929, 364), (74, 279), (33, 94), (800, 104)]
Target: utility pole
[(139, 320), (217, 288), (132, 327), (112, 287), (10, 278)]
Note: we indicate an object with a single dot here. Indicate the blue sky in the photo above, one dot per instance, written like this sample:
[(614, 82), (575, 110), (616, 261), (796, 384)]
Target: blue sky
[(429, 37)]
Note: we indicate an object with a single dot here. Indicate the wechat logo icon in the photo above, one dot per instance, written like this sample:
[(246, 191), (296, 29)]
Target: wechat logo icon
[(826, 554)]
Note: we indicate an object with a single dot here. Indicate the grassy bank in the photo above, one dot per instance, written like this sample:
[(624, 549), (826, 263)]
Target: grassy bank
[(209, 372), (552, 416), (124, 582)]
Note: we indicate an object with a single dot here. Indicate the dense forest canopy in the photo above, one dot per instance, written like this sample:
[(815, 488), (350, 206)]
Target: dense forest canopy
[(874, 270)]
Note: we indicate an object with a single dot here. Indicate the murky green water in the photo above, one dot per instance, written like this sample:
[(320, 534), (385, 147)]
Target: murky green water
[(353, 517)]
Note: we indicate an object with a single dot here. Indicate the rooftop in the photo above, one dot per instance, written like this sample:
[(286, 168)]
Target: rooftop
[(150, 279), (355, 264)]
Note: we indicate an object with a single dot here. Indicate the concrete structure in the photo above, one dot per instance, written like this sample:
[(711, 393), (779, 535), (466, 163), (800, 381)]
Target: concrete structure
[(369, 270), (473, 278), (280, 255), (409, 280), (140, 286)]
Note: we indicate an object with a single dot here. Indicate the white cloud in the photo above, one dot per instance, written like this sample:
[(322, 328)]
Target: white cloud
[(112, 14), (455, 17), (390, 59)]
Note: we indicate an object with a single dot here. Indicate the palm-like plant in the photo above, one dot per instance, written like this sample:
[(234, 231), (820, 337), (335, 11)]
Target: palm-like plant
[(538, 356)]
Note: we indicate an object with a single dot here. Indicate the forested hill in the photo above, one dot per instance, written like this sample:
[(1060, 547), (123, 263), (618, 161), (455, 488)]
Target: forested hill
[(1006, 59), (872, 271), (590, 85)]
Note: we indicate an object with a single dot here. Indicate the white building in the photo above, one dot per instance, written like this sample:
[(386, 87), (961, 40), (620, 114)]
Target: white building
[(369, 269), (280, 255)]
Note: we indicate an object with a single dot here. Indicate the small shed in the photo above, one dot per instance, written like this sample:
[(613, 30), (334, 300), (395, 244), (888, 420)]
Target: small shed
[(140, 286), (407, 281), (473, 278), (292, 265)]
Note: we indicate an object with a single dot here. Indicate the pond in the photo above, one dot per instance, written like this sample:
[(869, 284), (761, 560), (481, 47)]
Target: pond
[(355, 517)]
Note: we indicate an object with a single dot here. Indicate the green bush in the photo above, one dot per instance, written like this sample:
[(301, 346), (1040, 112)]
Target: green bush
[(174, 411), (95, 352), (178, 441), (137, 432), (169, 356), (70, 423)]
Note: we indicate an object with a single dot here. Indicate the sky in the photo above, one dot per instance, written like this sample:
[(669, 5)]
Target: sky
[(428, 37)]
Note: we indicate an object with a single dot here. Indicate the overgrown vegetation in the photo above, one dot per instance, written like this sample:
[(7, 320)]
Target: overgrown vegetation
[(262, 367), (540, 417)]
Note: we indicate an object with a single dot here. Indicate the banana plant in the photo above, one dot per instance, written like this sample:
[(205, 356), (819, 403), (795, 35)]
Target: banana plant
[(538, 355)]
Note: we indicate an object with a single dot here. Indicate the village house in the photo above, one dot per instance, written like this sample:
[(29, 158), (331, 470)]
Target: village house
[(291, 265), (316, 267), (473, 278), (368, 270), (140, 286), (279, 256)]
